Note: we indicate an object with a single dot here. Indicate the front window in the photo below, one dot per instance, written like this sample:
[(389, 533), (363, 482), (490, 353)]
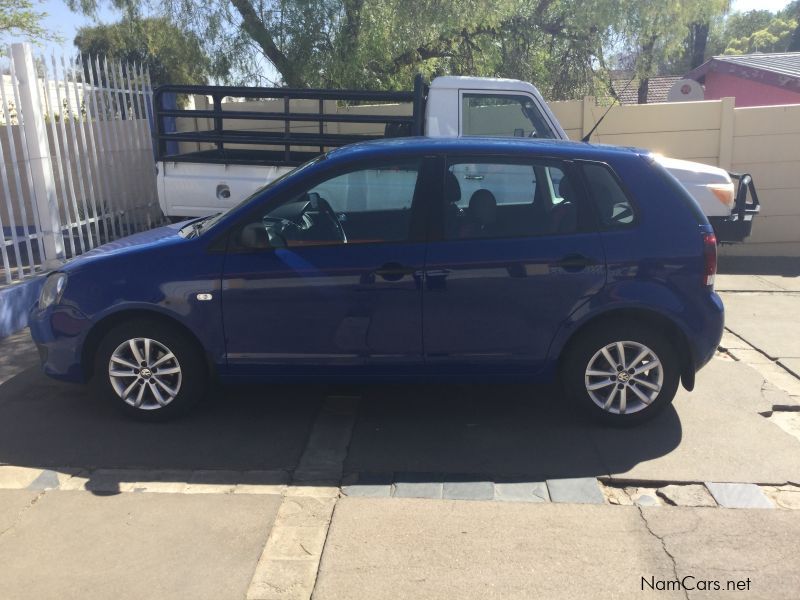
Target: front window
[(502, 115), (371, 205)]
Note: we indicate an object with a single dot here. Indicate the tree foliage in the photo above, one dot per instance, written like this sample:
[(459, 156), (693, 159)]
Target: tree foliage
[(20, 18), (563, 46), (170, 54)]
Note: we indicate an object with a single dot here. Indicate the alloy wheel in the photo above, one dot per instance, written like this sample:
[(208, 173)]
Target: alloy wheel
[(624, 377), (145, 373)]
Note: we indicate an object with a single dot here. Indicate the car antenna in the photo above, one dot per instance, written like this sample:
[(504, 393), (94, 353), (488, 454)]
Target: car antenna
[(600, 120)]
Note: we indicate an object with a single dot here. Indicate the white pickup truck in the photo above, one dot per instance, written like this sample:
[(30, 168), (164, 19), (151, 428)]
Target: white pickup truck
[(227, 141)]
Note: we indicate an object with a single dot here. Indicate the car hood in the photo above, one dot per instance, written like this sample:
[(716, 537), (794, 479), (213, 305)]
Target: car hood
[(145, 240), (693, 172)]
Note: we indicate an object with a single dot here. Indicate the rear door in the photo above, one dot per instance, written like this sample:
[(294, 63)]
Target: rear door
[(513, 254)]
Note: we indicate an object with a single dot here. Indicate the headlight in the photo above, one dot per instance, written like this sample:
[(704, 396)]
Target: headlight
[(723, 192), (52, 290)]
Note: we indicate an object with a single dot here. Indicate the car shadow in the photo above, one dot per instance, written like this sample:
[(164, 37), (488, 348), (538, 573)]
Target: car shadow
[(414, 432)]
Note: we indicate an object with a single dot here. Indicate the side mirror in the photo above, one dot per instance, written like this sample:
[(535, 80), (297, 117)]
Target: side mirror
[(254, 236)]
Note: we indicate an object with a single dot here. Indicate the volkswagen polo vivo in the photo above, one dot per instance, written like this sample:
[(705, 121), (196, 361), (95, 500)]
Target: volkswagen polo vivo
[(407, 259)]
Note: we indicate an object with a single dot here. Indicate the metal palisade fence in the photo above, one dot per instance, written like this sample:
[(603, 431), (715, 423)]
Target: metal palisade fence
[(76, 158)]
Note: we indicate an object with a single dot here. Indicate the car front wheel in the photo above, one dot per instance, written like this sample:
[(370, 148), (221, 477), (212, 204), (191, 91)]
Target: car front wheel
[(149, 370), (622, 373)]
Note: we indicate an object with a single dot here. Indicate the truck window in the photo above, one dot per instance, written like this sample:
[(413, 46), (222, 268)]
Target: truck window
[(502, 115), (495, 199)]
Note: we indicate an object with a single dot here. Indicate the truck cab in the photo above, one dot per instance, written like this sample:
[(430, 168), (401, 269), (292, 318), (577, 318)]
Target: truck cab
[(226, 142)]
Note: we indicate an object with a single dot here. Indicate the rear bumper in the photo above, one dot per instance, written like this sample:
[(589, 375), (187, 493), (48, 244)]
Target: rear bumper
[(738, 226)]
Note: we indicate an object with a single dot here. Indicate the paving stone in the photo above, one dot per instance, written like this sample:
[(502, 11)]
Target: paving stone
[(791, 364), (581, 490), (17, 478), (789, 421), (523, 491), (687, 495), (277, 579), (262, 482), (417, 490), (305, 511), (785, 496), (739, 495), (750, 356), (644, 496), (370, 485), (297, 543), (617, 496), (468, 490), (730, 341)]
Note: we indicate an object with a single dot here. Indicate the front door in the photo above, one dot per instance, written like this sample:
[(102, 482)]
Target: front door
[(516, 258), (338, 283)]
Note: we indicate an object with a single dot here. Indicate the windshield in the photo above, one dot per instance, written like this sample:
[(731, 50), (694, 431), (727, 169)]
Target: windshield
[(198, 227)]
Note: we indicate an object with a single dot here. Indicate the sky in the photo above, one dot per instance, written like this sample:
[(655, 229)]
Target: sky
[(65, 23)]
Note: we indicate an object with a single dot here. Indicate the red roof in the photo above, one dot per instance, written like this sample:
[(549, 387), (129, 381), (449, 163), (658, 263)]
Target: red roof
[(781, 69)]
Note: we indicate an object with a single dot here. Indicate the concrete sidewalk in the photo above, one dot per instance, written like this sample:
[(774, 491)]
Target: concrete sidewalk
[(401, 548), (65, 545)]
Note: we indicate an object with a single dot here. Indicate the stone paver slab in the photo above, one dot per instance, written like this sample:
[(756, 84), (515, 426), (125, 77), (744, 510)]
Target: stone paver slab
[(687, 495), (418, 489), (767, 321), (534, 491), (76, 545), (412, 549), (468, 490), (738, 495), (582, 490), (725, 282), (13, 503), (374, 485), (792, 365), (734, 545)]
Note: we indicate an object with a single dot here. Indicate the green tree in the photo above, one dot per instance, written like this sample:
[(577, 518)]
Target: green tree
[(775, 37), (653, 34), (20, 18), (560, 45), (170, 54)]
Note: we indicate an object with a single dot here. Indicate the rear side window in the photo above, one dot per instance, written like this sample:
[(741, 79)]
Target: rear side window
[(614, 208), (502, 199)]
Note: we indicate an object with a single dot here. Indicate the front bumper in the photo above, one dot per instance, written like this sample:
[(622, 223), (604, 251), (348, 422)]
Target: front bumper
[(738, 226), (58, 334)]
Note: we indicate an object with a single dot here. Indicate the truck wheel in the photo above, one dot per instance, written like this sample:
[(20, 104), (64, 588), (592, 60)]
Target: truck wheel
[(621, 373), (149, 370)]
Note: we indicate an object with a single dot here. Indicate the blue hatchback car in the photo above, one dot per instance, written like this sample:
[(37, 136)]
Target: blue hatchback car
[(409, 259)]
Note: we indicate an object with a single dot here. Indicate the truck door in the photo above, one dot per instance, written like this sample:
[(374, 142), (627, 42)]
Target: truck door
[(504, 114)]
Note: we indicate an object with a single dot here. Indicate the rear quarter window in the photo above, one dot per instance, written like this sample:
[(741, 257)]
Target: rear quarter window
[(614, 209)]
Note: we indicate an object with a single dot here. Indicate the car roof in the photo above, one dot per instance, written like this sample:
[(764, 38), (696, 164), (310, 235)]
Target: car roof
[(482, 145)]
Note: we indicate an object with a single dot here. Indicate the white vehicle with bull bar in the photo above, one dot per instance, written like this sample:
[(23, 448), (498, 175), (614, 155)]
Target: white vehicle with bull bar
[(210, 158)]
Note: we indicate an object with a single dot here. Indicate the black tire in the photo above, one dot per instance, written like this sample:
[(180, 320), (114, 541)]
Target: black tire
[(583, 350), (193, 372)]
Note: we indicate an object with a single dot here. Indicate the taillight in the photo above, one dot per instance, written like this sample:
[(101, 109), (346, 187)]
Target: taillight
[(710, 256)]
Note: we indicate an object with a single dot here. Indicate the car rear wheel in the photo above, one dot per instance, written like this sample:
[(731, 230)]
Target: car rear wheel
[(621, 373), (149, 370)]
